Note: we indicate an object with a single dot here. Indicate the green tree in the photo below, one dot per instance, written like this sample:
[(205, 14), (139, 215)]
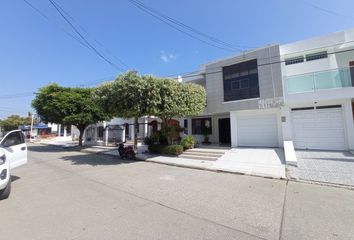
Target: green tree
[(135, 96), (125, 97), (13, 122), (69, 106), (179, 99)]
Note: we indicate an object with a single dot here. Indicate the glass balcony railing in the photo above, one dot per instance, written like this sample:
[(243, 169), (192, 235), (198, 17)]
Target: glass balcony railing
[(311, 82)]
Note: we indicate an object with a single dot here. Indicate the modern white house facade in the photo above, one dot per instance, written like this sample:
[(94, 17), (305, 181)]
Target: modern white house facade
[(318, 77), (302, 92)]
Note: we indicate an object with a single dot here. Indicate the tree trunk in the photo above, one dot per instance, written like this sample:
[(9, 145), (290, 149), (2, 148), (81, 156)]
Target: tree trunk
[(136, 125), (82, 130)]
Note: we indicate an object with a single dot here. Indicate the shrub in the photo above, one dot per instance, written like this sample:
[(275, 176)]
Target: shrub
[(162, 137), (149, 141), (166, 149), (188, 142), (174, 149), (155, 137), (156, 148)]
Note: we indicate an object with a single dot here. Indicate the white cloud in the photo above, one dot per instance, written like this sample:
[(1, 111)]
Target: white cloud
[(167, 57)]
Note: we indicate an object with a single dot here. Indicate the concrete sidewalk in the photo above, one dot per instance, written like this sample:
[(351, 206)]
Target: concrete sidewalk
[(254, 162), (264, 162)]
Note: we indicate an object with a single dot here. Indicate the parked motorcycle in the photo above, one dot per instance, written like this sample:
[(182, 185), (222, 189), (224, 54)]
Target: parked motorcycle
[(126, 152)]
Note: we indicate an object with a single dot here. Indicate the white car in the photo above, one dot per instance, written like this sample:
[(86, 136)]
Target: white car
[(13, 153)]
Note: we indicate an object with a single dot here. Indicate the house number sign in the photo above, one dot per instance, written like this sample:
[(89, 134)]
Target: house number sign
[(266, 103)]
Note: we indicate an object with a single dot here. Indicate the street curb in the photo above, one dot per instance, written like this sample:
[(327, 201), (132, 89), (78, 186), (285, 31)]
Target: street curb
[(213, 170), (325, 184)]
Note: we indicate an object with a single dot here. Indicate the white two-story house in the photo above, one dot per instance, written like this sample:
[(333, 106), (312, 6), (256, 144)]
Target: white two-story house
[(300, 91), (318, 80)]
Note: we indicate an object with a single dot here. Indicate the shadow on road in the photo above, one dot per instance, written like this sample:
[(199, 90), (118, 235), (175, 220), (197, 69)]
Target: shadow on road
[(47, 148), (79, 158), (14, 178), (94, 159)]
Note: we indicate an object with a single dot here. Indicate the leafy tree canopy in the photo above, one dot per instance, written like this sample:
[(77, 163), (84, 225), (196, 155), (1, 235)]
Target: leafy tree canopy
[(70, 106), (13, 122), (132, 95)]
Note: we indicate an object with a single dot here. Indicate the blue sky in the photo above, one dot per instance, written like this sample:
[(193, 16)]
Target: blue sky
[(35, 51)]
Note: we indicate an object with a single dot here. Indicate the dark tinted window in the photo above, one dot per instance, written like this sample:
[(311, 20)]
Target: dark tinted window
[(201, 126), (315, 56), (100, 132), (185, 126), (241, 81), (294, 60), (13, 139)]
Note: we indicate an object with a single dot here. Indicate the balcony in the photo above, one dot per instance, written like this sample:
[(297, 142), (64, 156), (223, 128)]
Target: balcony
[(316, 81)]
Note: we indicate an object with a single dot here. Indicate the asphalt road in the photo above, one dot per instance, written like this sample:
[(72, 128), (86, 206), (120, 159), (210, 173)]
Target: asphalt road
[(72, 195)]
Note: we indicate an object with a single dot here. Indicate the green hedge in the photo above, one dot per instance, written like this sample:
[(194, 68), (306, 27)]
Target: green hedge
[(166, 149)]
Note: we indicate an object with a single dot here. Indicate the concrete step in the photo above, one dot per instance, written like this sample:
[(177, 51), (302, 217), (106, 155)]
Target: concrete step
[(212, 154), (206, 158), (203, 154), (208, 150)]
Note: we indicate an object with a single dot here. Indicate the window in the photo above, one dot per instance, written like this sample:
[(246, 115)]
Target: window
[(241, 81), (13, 139), (185, 126), (201, 126), (301, 109), (244, 83), (316, 56), (235, 85), (294, 60), (100, 132)]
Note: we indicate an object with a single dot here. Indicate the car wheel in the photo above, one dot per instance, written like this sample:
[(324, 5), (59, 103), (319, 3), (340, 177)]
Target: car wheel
[(5, 193)]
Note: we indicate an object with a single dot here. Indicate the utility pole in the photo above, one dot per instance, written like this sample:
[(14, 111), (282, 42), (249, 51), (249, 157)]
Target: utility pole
[(32, 118)]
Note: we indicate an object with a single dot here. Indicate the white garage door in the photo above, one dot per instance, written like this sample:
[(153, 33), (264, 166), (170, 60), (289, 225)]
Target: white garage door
[(320, 128), (257, 131)]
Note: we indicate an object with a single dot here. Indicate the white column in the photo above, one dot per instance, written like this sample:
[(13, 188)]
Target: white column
[(59, 128), (64, 131), (348, 118), (286, 123), (233, 125), (145, 127), (132, 128)]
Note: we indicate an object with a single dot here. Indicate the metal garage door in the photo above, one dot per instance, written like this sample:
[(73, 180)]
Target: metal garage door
[(320, 128), (257, 130)]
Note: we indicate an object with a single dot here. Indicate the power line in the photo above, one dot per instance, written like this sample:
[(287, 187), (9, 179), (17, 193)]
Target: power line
[(171, 24), (82, 37), (18, 95), (60, 27), (259, 65), (187, 27), (319, 8), (94, 82), (98, 42)]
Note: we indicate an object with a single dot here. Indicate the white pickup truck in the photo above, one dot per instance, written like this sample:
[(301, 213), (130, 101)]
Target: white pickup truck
[(13, 153)]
